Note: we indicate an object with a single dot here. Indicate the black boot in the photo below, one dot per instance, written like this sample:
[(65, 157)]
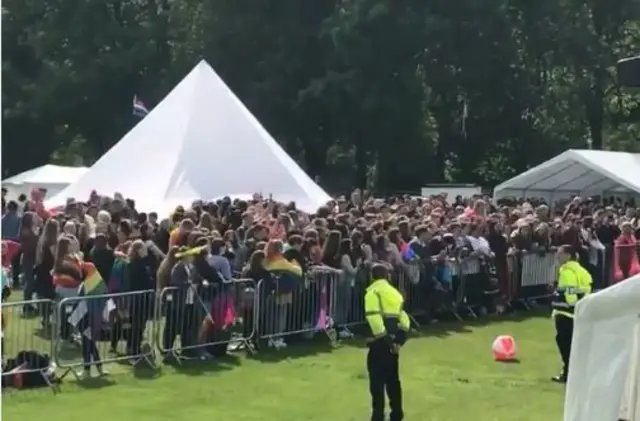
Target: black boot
[(561, 378)]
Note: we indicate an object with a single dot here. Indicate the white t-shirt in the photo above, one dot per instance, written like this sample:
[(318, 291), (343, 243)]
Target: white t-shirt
[(480, 244)]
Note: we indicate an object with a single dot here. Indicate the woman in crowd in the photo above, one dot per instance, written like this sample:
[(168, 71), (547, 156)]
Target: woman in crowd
[(163, 275), (45, 259), (102, 256), (256, 271), (67, 277), (28, 246), (289, 277), (141, 280), (343, 294), (625, 254), (218, 261)]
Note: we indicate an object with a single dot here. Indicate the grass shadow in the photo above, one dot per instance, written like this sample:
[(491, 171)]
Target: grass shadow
[(96, 383), (143, 371), (196, 367), (515, 361), (295, 349)]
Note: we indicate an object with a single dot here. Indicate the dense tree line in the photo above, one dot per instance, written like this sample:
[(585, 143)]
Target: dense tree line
[(398, 92)]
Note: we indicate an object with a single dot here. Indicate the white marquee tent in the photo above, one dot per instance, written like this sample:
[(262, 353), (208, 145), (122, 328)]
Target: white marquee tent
[(604, 372), (200, 142), (54, 178), (577, 172)]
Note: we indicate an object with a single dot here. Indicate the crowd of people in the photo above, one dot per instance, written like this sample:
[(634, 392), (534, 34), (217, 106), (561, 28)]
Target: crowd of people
[(104, 245)]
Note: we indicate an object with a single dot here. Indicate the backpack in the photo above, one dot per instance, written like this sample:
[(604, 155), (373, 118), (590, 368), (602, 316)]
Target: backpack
[(42, 374)]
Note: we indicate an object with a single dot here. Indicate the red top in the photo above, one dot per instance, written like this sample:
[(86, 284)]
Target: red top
[(9, 251)]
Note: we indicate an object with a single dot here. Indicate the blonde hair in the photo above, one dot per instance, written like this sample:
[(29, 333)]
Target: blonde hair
[(274, 249), (135, 248)]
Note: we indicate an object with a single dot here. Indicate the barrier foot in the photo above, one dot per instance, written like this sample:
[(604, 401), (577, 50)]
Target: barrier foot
[(148, 356), (53, 385), (332, 334), (170, 357), (68, 370), (414, 322), (455, 313), (250, 347)]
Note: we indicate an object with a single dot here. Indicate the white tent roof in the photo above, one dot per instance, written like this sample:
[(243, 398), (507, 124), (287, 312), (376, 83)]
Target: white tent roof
[(581, 172), (606, 342), (47, 174), (200, 142)]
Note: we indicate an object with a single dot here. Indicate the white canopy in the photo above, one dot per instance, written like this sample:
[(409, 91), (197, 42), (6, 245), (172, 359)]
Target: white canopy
[(604, 372), (577, 172), (200, 142), (54, 178)]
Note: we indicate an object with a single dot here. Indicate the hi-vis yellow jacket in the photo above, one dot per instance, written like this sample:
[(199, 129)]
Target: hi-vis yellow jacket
[(574, 282), (383, 306)]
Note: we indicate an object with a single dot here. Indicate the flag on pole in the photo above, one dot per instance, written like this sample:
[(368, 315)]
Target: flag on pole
[(139, 109)]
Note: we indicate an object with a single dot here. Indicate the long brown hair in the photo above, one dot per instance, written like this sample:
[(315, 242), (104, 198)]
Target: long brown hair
[(163, 275), (256, 262), (331, 248), (48, 239), (27, 221), (63, 249)]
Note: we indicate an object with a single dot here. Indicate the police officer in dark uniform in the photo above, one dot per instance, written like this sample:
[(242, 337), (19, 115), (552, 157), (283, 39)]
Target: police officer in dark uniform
[(389, 324)]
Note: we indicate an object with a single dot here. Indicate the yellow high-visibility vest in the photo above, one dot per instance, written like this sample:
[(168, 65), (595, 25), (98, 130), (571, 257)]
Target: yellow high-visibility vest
[(574, 282), (384, 310)]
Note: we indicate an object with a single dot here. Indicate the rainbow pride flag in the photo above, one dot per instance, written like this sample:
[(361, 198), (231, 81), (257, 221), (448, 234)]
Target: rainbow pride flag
[(88, 316), (94, 284)]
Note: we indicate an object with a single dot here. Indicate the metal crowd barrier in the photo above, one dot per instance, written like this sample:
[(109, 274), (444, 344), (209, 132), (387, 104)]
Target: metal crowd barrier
[(96, 330), (285, 305), (201, 321), (24, 340)]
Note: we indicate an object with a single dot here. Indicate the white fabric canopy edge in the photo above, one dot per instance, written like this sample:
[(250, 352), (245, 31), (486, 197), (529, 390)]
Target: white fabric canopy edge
[(46, 174), (604, 340), (522, 184)]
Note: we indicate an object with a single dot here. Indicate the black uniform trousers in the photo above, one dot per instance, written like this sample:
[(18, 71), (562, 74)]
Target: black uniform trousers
[(564, 332), (382, 366)]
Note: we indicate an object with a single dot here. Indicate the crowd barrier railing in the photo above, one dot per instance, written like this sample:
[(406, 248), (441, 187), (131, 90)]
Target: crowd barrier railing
[(101, 329), (284, 307), (27, 343), (531, 276), (197, 321), (201, 321)]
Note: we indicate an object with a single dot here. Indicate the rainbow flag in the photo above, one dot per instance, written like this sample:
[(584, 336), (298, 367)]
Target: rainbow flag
[(94, 284), (88, 316)]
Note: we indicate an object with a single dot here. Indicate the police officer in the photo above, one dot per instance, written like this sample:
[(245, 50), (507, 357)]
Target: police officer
[(574, 282), (383, 306)]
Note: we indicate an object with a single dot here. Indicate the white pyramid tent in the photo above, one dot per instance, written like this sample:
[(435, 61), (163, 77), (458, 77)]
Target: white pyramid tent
[(200, 142)]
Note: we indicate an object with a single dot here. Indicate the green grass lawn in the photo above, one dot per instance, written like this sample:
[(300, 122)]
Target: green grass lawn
[(447, 374)]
